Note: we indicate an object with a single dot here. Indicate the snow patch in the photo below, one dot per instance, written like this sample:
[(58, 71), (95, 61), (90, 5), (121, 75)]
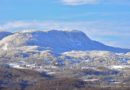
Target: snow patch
[(119, 67), (5, 47)]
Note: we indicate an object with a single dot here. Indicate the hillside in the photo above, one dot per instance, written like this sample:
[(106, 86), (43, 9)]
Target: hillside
[(55, 40)]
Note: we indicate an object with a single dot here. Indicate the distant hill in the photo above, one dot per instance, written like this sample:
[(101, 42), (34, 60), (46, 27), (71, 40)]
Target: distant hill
[(55, 40)]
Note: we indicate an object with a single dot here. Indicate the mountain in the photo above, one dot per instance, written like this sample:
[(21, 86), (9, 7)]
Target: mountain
[(55, 40), (4, 34), (51, 55)]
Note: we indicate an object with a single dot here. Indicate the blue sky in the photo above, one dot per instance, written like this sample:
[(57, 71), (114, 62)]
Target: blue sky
[(107, 21)]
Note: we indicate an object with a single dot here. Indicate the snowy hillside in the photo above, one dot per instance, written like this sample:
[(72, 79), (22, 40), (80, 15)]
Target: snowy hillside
[(65, 54), (55, 40)]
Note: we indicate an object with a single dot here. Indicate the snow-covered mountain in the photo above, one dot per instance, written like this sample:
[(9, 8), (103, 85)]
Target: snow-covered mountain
[(55, 40), (64, 54)]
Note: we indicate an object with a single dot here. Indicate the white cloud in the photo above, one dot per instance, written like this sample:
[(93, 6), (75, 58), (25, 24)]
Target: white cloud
[(84, 2), (79, 2)]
